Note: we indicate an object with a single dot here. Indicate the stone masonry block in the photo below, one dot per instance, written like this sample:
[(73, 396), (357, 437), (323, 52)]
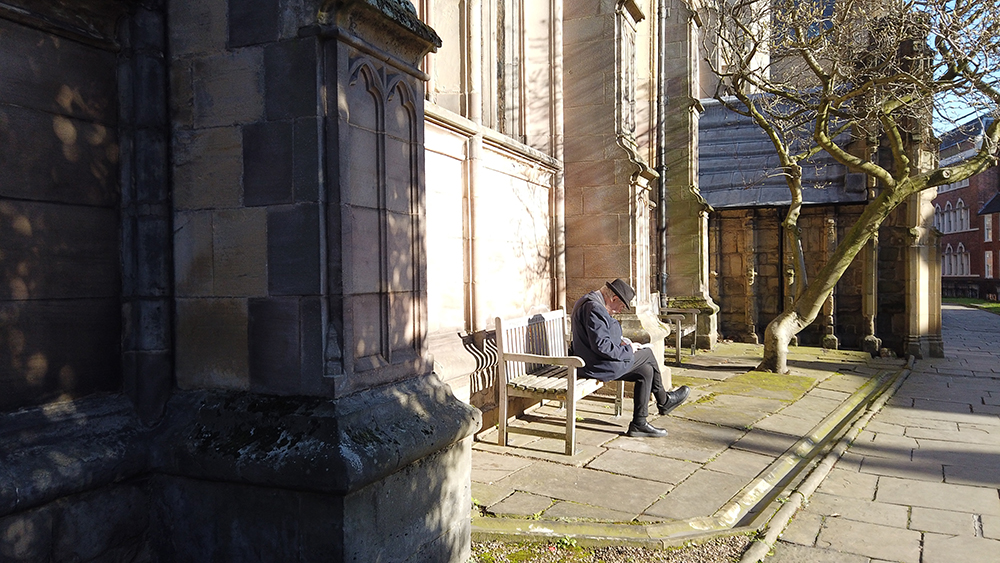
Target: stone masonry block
[(253, 21), (606, 199), (596, 173), (583, 149), (606, 263), (240, 252), (151, 163), (196, 27), (274, 345), (293, 250), (26, 536), (93, 526), (291, 69), (306, 165), (208, 168), (146, 324), (193, 254), (268, 150), (211, 339), (153, 255), (181, 94), (589, 230), (585, 29), (229, 88), (150, 86)]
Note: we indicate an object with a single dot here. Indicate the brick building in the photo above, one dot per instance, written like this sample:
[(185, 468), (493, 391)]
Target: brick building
[(966, 214)]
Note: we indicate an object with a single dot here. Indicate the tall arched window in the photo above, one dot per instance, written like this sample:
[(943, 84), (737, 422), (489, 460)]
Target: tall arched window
[(948, 261), (962, 256), (961, 216), (948, 221)]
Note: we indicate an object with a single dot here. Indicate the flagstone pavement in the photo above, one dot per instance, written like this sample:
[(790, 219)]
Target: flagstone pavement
[(919, 483)]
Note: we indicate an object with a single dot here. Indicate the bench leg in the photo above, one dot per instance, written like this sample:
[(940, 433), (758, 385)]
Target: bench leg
[(677, 341), (619, 397), (502, 422), (570, 426)]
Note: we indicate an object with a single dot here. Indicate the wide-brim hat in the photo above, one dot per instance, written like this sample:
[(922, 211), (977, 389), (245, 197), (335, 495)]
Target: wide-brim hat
[(623, 290)]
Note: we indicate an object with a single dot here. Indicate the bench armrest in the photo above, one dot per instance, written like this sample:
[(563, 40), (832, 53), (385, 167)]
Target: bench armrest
[(569, 361)]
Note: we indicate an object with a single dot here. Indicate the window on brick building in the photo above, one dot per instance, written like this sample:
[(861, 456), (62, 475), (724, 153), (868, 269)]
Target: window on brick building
[(963, 263), (988, 227), (988, 265), (961, 216)]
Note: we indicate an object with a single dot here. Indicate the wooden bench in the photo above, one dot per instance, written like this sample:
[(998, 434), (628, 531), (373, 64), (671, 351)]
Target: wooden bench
[(681, 327), (532, 362)]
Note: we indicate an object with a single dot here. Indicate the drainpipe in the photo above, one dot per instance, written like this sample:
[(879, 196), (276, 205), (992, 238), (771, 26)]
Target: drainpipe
[(474, 112), (661, 139), (559, 190)]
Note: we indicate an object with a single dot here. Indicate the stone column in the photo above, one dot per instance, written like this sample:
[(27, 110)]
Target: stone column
[(829, 311), (687, 282), (607, 186), (310, 411), (750, 277), (923, 280)]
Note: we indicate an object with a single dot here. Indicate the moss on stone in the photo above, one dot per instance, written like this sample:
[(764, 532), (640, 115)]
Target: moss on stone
[(766, 385)]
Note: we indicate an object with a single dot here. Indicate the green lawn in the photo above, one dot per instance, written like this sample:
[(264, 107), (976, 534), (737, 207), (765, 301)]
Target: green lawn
[(991, 306)]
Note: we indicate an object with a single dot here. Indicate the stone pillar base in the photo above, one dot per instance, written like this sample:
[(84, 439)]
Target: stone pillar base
[(927, 346), (872, 344), (708, 317)]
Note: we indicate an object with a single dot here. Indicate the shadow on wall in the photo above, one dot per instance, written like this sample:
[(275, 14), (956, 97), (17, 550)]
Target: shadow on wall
[(59, 260)]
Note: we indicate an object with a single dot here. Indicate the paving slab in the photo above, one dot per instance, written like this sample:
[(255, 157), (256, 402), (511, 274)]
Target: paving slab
[(702, 493), (688, 440), (739, 462), (563, 510), (847, 483), (790, 553), (981, 474), (871, 540), (521, 504), (849, 508), (597, 488), (812, 408), (921, 469), (787, 424), (889, 446), (942, 521), (643, 466), (765, 385), (766, 442), (485, 494), (940, 548), (945, 496), (492, 467), (991, 526), (803, 529), (966, 433), (846, 382), (734, 411)]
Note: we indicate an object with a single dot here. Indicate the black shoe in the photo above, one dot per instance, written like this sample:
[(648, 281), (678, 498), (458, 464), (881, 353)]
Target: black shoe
[(674, 399), (644, 429)]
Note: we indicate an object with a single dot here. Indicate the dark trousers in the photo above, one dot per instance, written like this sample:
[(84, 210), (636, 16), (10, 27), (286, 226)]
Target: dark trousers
[(645, 372)]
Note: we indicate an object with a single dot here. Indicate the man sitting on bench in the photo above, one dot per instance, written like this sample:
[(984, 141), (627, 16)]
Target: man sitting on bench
[(597, 338)]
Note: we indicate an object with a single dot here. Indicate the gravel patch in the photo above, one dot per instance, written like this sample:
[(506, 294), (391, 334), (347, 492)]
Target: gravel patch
[(720, 550)]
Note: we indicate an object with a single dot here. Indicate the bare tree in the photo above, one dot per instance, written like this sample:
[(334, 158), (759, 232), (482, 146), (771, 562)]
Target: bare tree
[(843, 77)]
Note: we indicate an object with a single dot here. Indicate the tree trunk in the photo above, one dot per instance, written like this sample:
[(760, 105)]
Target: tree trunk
[(777, 335), (807, 304)]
